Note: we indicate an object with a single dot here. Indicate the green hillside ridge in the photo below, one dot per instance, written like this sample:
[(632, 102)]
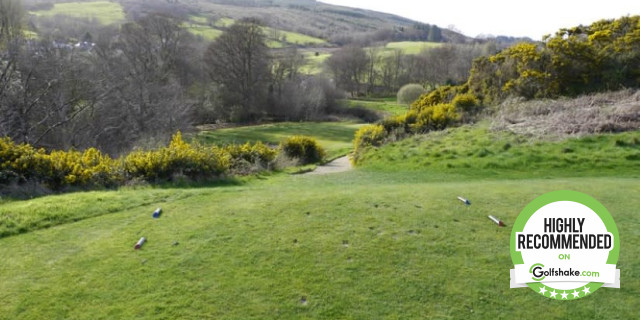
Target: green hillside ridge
[(308, 23), (470, 152)]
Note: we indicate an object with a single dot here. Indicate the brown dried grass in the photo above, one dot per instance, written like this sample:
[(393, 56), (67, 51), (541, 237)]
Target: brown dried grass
[(616, 111)]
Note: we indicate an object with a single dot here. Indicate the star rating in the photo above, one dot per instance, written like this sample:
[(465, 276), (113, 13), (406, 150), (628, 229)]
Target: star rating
[(586, 290), (564, 295), (543, 290), (553, 293), (576, 294)]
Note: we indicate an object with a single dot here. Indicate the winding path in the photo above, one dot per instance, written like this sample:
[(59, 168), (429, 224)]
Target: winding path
[(338, 165)]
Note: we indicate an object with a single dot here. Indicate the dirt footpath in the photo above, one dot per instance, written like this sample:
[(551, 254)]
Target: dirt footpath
[(338, 165)]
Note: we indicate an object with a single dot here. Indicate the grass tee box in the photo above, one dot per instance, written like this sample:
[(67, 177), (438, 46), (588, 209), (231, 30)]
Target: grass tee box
[(359, 245), (106, 12), (335, 137)]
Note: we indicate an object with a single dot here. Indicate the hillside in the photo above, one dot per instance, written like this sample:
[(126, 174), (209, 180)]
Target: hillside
[(299, 22)]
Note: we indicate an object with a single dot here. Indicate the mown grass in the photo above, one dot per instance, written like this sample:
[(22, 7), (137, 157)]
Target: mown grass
[(360, 245), (387, 106), (412, 47), (106, 12), (475, 151), (335, 137)]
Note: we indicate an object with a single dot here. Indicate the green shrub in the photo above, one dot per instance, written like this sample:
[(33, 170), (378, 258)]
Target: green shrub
[(306, 149), (410, 93)]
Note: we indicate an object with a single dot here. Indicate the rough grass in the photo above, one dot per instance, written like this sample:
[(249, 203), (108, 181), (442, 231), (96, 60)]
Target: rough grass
[(106, 12), (386, 106), (474, 151), (360, 245), (334, 137), (412, 47), (600, 112)]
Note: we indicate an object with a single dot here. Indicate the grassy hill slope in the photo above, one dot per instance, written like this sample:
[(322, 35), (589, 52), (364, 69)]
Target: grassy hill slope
[(300, 22)]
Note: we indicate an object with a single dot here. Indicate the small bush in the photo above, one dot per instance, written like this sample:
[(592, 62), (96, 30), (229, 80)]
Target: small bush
[(251, 155), (304, 148), (410, 93)]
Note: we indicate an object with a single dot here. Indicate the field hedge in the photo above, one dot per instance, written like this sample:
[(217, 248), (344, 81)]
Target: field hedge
[(90, 168)]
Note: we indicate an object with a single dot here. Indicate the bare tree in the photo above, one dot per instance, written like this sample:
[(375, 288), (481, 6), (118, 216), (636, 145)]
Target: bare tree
[(373, 60), (238, 61), (141, 70), (349, 67)]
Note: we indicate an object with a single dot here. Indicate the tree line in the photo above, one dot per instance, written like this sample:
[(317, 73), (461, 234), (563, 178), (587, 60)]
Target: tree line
[(373, 70), (137, 84)]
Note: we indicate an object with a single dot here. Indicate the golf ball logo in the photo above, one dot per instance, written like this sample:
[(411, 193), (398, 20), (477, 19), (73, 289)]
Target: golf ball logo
[(565, 246)]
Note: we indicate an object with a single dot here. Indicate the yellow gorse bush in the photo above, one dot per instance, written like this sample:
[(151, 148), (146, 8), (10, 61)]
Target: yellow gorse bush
[(92, 168), (257, 153), (179, 158), (304, 148)]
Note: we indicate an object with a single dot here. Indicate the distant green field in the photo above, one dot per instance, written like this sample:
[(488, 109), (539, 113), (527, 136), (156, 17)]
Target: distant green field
[(335, 137), (224, 22), (205, 32), (313, 63), (198, 19), (299, 38), (388, 106), (290, 37), (412, 47), (198, 26), (106, 12)]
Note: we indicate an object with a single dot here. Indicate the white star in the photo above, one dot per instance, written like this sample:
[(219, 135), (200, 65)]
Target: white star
[(553, 293), (586, 290), (564, 294), (575, 294), (543, 290)]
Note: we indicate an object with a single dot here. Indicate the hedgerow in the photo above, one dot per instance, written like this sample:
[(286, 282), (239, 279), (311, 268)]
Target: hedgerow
[(90, 168)]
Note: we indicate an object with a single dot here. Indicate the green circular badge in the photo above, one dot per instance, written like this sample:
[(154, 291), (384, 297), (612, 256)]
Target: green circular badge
[(565, 246)]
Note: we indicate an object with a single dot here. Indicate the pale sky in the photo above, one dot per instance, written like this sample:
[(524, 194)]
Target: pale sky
[(502, 17)]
